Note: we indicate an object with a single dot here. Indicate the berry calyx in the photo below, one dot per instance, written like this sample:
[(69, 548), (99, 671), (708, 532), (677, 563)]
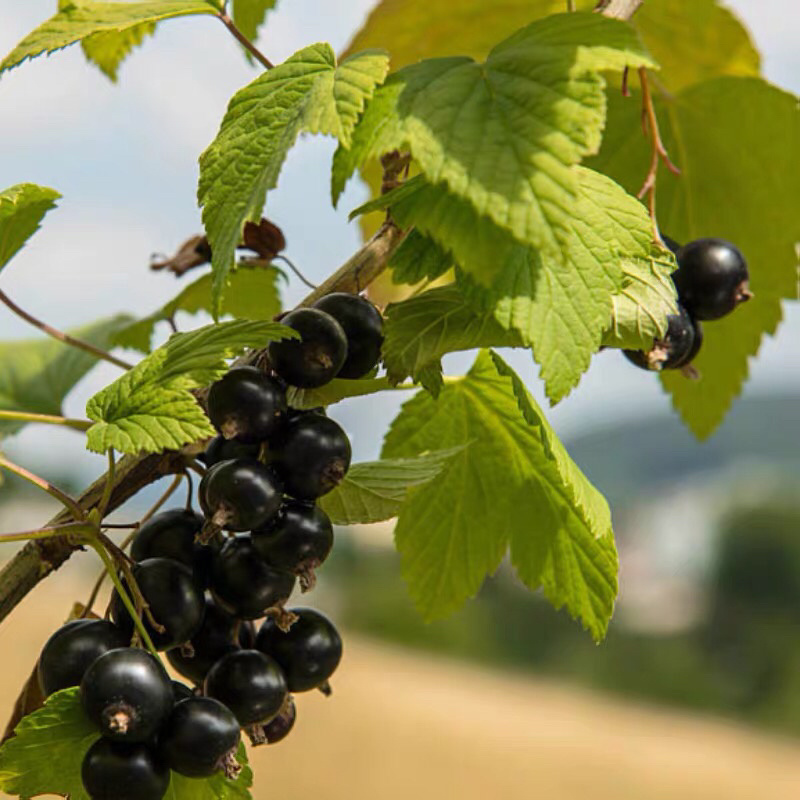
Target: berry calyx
[(362, 324), (240, 494), (315, 358), (250, 684), (308, 652), (200, 739), (122, 771), (127, 694), (674, 350), (243, 584), (247, 405), (712, 278), (312, 457), (70, 651)]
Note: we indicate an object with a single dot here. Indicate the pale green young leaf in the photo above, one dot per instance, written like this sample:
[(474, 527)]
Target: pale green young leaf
[(217, 787), (419, 258), (77, 20), (375, 491), (252, 294), (740, 180), (513, 487), (151, 408), (109, 49), (249, 16), (37, 374), (505, 134), (22, 208), (335, 391), (308, 92)]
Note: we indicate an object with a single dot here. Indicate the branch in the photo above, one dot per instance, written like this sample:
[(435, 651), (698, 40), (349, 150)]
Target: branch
[(244, 41)]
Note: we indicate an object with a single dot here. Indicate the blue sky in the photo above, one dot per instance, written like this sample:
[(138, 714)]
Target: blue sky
[(125, 159)]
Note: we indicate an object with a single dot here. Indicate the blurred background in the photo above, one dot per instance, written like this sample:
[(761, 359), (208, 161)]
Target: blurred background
[(695, 693)]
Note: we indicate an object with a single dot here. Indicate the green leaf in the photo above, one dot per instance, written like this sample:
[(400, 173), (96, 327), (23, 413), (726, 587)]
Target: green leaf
[(249, 16), (252, 294), (308, 92), (22, 208), (77, 20), (505, 134), (216, 788), (422, 329), (37, 374), (108, 50), (739, 181), (151, 408), (376, 490), (419, 258), (334, 391), (513, 486), (45, 755)]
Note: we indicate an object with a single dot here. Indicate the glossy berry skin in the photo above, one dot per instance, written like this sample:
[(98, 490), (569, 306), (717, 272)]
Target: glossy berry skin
[(298, 541), (250, 684), (121, 771), (315, 358), (180, 691), (308, 653), (240, 494), (280, 726), (247, 405), (214, 639), (175, 600), (222, 449), (127, 694), (362, 324), (69, 652), (671, 352), (200, 734), (711, 279), (243, 584), (312, 457)]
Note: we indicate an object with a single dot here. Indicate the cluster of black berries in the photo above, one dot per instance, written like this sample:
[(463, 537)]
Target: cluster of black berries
[(711, 280), (205, 579)]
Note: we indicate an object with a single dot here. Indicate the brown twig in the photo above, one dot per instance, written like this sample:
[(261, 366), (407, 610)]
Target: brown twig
[(68, 502), (244, 41)]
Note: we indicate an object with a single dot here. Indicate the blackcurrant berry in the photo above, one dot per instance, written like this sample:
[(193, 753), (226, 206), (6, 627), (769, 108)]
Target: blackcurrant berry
[(127, 694), (312, 457), (200, 738), (240, 494), (222, 449), (175, 601), (711, 279), (180, 691), (246, 404), (250, 684), (243, 584), (315, 358), (279, 727), (122, 771), (215, 638), (298, 541), (308, 652), (362, 324), (68, 653), (673, 350)]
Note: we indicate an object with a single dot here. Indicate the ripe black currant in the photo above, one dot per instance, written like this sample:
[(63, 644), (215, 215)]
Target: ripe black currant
[(243, 584), (246, 404), (122, 771), (215, 638), (240, 494), (68, 653), (712, 278), (362, 324), (127, 694), (298, 541), (671, 352), (312, 457), (250, 684), (315, 358), (308, 652), (222, 449), (175, 601), (279, 727), (200, 738)]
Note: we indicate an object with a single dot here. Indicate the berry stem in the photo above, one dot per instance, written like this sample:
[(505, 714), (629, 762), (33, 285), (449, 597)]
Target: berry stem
[(104, 500), (71, 528), (68, 502), (47, 419), (296, 271), (244, 41), (65, 338), (176, 482)]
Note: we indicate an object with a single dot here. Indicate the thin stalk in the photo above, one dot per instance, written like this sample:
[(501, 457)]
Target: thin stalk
[(68, 502), (189, 489), (46, 533), (65, 338), (109, 487), (296, 271), (176, 482), (244, 41), (47, 419)]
